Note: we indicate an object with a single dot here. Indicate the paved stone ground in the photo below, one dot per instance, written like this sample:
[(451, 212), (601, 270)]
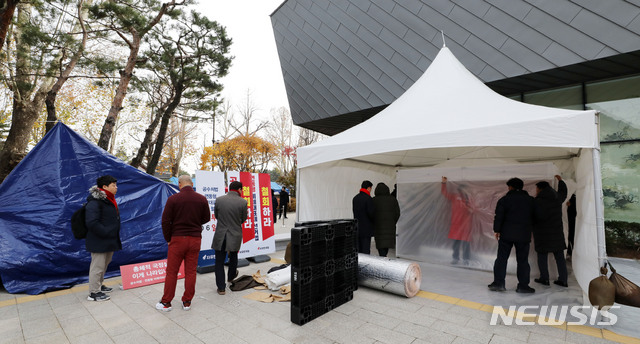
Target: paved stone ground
[(371, 317)]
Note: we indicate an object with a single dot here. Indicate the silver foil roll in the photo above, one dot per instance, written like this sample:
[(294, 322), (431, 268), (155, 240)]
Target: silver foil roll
[(390, 275)]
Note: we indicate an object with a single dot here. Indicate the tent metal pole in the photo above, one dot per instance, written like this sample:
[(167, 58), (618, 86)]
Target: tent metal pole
[(599, 202), (297, 196)]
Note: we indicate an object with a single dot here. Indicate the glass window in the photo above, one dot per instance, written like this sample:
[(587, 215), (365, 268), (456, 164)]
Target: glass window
[(565, 98), (618, 102)]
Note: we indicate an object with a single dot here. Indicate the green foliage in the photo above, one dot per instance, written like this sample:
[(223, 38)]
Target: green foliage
[(623, 238), (187, 55)]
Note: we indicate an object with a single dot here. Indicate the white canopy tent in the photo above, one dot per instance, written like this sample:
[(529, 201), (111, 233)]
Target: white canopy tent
[(450, 118)]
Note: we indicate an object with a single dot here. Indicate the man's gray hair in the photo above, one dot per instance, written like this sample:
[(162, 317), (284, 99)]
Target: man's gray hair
[(185, 179)]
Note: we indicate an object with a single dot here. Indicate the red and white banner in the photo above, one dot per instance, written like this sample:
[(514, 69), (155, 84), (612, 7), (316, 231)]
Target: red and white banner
[(258, 230), (141, 274)]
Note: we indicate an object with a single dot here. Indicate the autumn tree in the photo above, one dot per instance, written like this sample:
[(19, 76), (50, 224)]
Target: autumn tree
[(187, 56), (242, 153), (280, 132), (243, 123), (41, 42), (130, 20)]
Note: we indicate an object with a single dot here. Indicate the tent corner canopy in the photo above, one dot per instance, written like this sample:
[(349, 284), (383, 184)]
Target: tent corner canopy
[(449, 116)]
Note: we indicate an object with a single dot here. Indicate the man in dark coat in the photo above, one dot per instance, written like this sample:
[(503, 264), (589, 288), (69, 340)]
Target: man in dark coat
[(284, 202), (182, 220), (274, 205), (231, 212), (363, 211), (548, 230), (103, 236), (385, 219), (512, 226)]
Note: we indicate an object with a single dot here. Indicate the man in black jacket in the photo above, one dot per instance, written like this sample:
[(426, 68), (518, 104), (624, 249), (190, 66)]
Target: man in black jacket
[(363, 211), (103, 236), (284, 202), (548, 230), (512, 227)]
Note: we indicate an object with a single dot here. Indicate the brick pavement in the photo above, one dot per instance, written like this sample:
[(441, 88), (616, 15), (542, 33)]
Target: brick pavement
[(371, 317)]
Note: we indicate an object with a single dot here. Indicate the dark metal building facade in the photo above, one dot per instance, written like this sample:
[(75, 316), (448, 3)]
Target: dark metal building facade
[(345, 60)]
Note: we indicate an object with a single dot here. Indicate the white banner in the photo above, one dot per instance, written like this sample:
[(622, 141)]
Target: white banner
[(210, 184)]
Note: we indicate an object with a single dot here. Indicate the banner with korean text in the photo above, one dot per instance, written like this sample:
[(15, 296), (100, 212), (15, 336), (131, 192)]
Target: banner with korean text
[(211, 185), (147, 273), (258, 230)]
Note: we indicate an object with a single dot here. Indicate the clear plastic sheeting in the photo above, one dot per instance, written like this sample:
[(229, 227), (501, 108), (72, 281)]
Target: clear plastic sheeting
[(452, 223), (391, 275)]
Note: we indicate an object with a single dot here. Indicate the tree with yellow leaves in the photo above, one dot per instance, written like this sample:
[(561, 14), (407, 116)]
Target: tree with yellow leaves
[(248, 153)]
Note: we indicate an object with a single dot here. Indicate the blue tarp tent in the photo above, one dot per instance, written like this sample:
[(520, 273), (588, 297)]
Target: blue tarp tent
[(38, 252), (276, 187)]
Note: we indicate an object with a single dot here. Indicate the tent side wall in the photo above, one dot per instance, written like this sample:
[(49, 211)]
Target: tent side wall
[(585, 252), (325, 191)]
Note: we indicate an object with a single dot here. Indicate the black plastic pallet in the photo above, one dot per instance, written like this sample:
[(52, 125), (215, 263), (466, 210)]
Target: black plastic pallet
[(324, 267)]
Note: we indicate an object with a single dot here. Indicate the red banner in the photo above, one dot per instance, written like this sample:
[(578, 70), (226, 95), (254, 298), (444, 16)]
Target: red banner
[(141, 274), (266, 205), (248, 231)]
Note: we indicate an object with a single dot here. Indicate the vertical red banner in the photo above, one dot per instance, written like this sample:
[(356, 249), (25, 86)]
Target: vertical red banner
[(248, 232), (266, 206)]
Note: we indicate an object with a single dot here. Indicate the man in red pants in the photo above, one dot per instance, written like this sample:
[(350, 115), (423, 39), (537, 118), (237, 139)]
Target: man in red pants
[(182, 220)]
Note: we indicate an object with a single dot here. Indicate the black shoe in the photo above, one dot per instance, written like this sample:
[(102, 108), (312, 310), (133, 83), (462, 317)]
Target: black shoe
[(560, 283), (525, 290), (496, 287), (105, 289), (234, 277), (99, 296), (542, 281)]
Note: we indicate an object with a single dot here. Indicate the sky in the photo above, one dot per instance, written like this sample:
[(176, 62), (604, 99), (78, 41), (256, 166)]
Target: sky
[(255, 66)]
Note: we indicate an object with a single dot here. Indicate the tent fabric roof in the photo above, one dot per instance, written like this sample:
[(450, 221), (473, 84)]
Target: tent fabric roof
[(422, 119), (38, 252)]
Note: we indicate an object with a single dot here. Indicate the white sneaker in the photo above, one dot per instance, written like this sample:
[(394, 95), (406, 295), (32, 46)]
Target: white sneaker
[(165, 307), (186, 305)]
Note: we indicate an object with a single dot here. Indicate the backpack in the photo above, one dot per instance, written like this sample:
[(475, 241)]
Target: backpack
[(78, 225)]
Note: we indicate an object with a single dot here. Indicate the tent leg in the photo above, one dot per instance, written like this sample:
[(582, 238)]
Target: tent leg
[(599, 199)]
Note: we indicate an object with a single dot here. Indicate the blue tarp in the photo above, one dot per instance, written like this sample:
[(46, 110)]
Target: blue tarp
[(38, 252), (276, 187)]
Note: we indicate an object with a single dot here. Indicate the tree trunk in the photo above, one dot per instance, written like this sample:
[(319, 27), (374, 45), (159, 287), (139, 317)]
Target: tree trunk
[(162, 132), (175, 169), (121, 92), (25, 111), (146, 142), (6, 14), (126, 74), (50, 101)]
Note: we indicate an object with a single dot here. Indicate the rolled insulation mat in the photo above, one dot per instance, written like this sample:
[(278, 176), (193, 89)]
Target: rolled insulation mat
[(390, 275)]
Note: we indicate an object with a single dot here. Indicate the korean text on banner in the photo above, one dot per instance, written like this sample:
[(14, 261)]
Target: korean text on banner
[(142, 274), (210, 185), (266, 209)]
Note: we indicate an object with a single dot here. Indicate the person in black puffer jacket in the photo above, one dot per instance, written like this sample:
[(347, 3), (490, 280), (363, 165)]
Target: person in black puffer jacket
[(548, 230), (385, 219), (512, 227), (103, 236)]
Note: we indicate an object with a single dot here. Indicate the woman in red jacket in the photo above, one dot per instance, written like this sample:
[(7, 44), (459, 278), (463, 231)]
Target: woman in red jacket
[(460, 228)]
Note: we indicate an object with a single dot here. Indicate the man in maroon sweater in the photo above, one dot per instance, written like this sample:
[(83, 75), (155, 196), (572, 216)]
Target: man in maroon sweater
[(182, 220)]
